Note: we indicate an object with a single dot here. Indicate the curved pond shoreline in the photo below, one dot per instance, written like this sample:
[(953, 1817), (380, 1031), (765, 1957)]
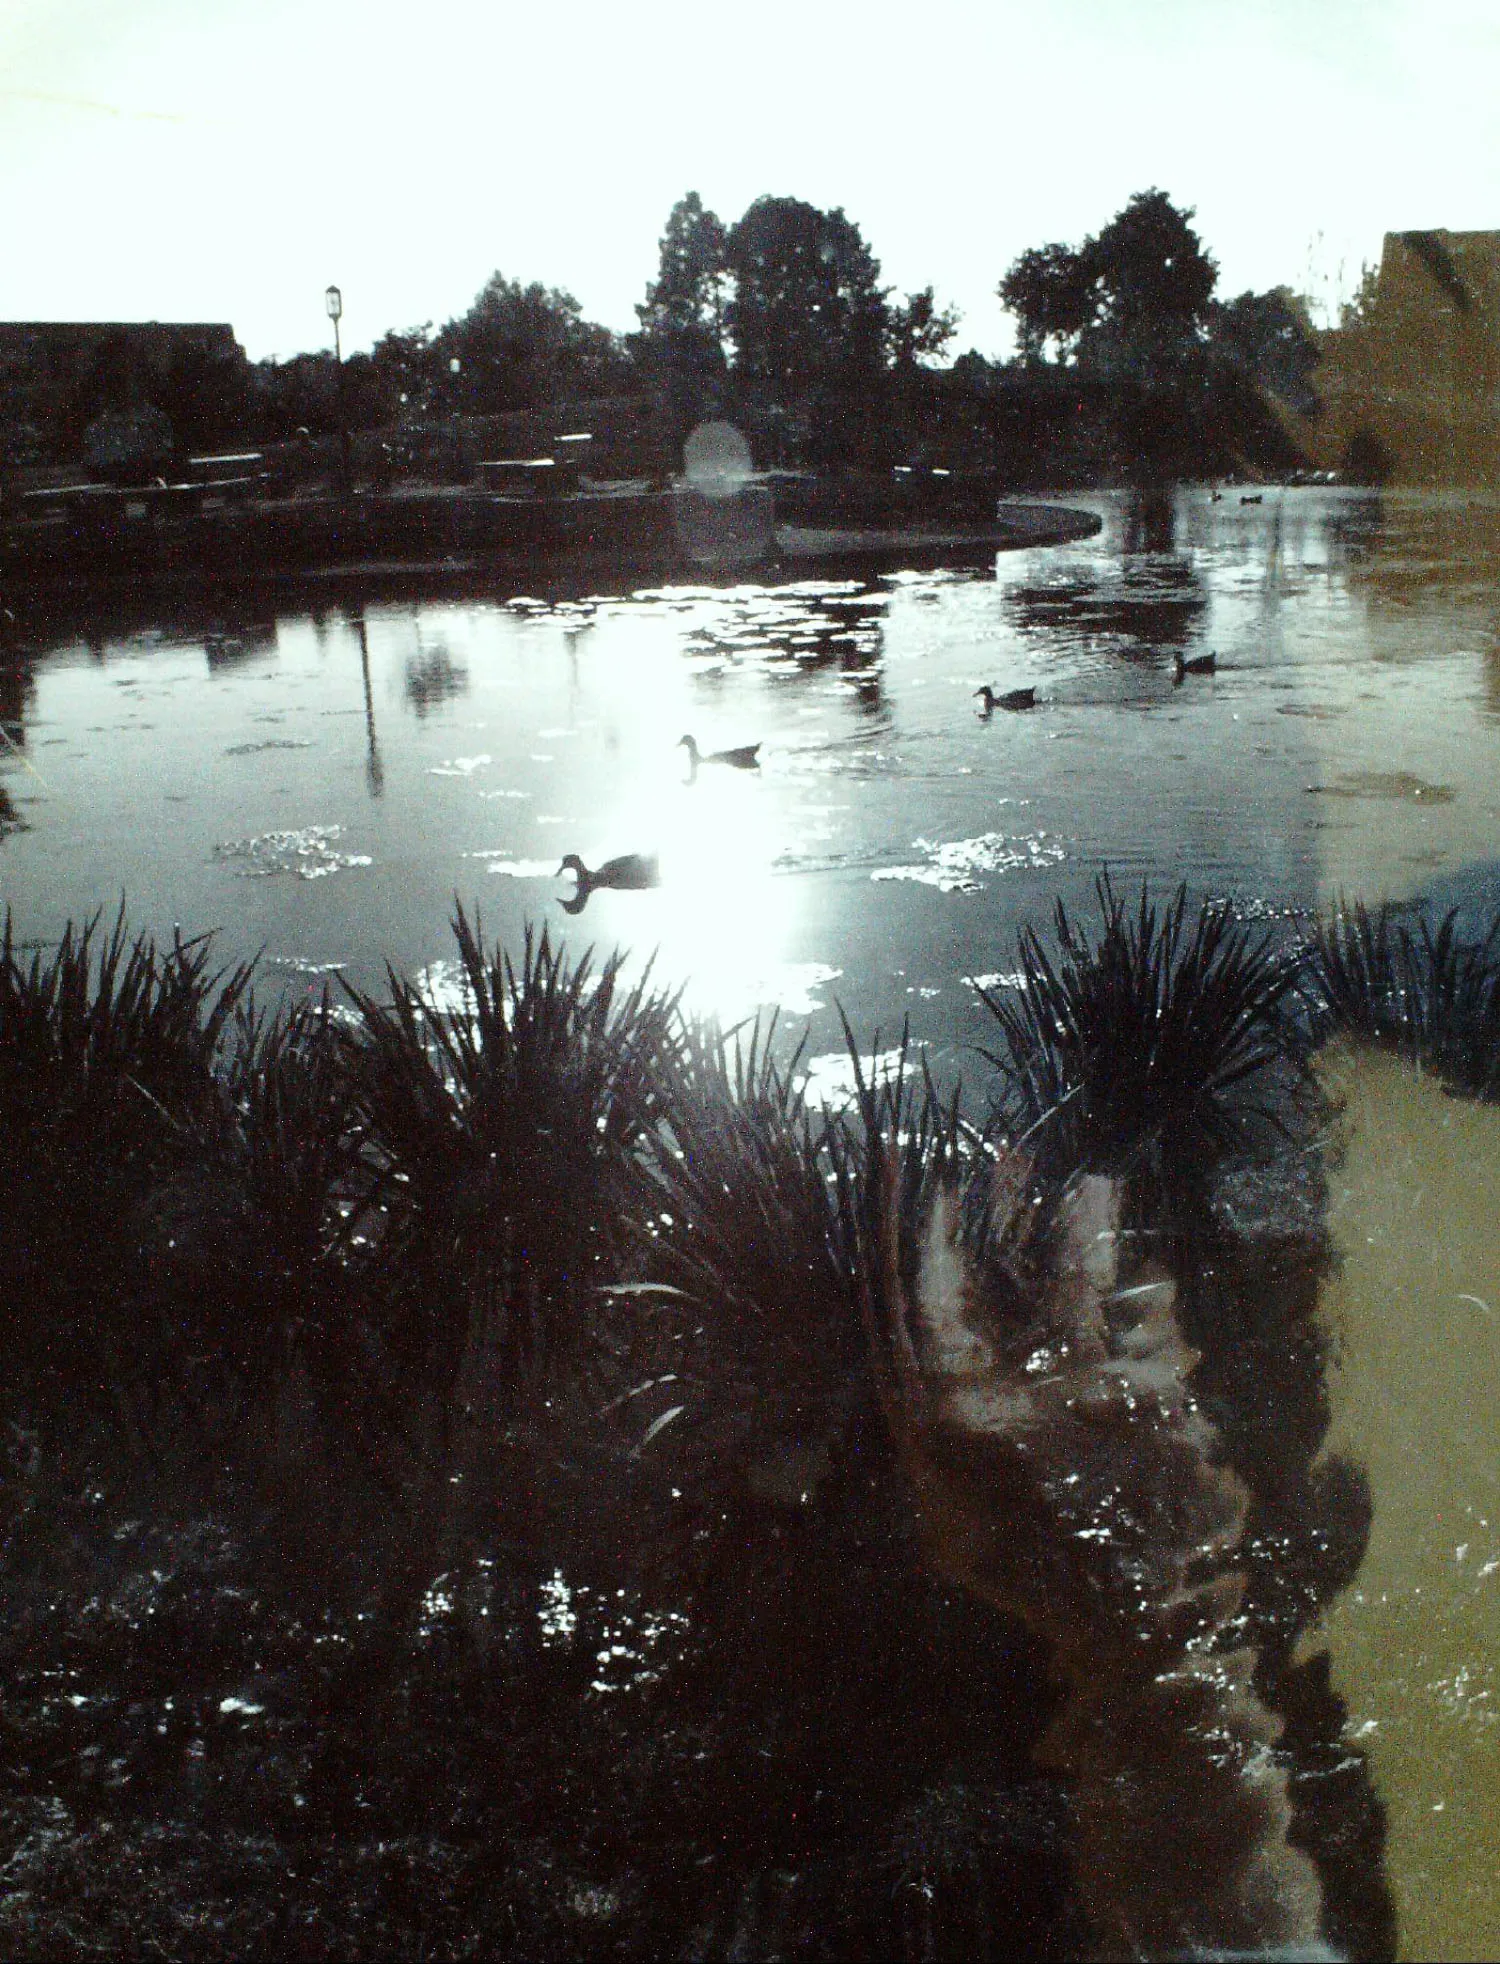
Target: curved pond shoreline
[(440, 535)]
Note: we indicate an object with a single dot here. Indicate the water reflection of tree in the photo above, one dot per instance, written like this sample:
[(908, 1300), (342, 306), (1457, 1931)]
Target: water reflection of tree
[(10, 818), (1251, 1308), (1151, 521), (228, 645), (17, 689), (1154, 602), (374, 768), (1354, 529), (433, 677), (801, 634)]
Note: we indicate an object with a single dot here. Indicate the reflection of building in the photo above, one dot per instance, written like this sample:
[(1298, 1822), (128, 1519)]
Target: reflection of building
[(1410, 386)]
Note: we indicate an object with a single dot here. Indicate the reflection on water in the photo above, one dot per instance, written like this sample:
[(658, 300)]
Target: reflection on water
[(1066, 1472), (889, 832), (1414, 1308), (1131, 611), (434, 677)]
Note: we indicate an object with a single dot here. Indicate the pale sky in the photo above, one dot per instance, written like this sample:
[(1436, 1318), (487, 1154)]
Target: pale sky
[(226, 159)]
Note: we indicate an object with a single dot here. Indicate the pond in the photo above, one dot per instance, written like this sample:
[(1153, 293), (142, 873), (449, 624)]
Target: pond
[(318, 782)]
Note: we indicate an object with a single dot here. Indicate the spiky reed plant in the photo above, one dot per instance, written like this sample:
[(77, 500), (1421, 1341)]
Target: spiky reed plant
[(743, 1222), (900, 1135), (267, 1212), (107, 1054), (737, 1171), (1140, 1048), (511, 1135), (1425, 993), (105, 1043)]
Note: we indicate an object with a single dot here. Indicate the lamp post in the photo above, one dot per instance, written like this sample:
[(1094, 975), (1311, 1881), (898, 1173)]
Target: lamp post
[(333, 300)]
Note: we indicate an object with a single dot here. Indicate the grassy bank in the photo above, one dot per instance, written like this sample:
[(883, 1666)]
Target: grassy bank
[(447, 1499)]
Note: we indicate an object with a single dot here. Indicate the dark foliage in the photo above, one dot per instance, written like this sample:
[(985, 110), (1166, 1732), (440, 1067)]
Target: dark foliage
[(201, 1760), (105, 1042), (1427, 993), (510, 1134), (1140, 1048), (749, 1225), (282, 1186)]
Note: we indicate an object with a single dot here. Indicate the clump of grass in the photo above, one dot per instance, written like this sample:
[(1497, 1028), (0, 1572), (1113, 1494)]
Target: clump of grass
[(738, 1174), (104, 1044), (1425, 993), (1141, 1047), (901, 1136), (107, 1056), (511, 1135), (261, 1224), (744, 1218)]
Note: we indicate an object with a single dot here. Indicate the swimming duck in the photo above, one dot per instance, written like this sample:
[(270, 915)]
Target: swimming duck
[(1011, 699), (1194, 665), (745, 758), (632, 872)]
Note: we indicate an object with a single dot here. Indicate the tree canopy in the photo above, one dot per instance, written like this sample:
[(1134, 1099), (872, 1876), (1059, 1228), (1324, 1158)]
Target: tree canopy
[(1269, 338), (519, 346), (918, 329), (1049, 289), (807, 308), (684, 304), (1132, 300)]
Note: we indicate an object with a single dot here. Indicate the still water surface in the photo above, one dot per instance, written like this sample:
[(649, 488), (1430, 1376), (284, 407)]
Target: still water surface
[(320, 784)]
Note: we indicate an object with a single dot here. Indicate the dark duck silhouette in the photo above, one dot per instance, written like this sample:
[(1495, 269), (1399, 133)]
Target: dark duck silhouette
[(1013, 699), (632, 872), (745, 758), (1193, 665)]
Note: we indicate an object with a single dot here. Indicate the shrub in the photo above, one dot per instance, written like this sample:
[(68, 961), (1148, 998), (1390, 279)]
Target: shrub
[(1427, 994), (511, 1135), (1139, 1048)]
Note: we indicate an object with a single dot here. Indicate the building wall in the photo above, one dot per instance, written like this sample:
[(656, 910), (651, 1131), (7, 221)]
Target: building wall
[(1414, 383)]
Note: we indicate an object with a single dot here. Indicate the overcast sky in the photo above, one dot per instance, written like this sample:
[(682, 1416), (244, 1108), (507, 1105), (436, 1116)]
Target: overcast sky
[(226, 159)]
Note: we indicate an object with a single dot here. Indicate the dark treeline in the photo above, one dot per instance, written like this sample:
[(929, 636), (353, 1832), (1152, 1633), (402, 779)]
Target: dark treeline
[(1128, 366)]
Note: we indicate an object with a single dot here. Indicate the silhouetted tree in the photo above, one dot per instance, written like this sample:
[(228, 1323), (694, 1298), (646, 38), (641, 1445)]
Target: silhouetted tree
[(1135, 300), (521, 346), (1359, 309), (407, 363), (300, 394), (918, 329), (206, 394), (1152, 284), (917, 332), (1050, 290), (685, 304), (1269, 340), (1130, 308), (681, 342), (807, 320)]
